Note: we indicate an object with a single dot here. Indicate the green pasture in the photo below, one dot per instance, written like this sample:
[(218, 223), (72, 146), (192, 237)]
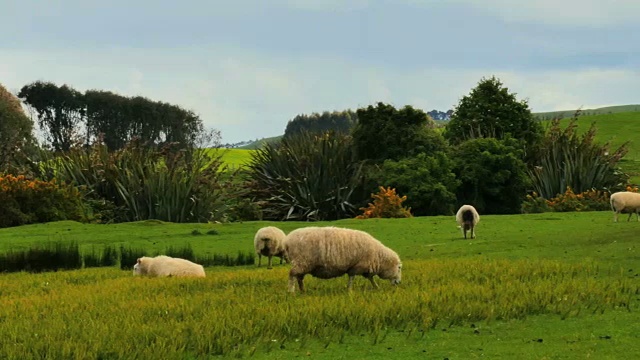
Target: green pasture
[(536, 286)]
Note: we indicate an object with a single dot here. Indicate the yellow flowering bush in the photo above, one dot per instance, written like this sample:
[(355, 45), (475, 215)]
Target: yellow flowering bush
[(386, 204), (590, 200), (28, 201)]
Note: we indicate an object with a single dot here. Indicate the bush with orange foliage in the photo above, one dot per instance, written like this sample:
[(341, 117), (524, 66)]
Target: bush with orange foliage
[(386, 204)]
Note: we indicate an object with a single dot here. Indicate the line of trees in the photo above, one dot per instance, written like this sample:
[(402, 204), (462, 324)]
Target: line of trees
[(68, 117)]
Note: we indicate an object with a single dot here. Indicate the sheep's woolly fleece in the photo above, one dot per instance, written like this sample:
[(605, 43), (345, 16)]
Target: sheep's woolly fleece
[(269, 241), (625, 202), (328, 252), (167, 266)]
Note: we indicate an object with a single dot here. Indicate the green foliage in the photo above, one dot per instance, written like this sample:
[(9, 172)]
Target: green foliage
[(149, 182), (428, 182), (492, 174), (17, 142), (306, 177), (568, 159), (491, 111), (386, 204), (383, 132), (24, 201), (60, 109), (590, 200), (340, 122)]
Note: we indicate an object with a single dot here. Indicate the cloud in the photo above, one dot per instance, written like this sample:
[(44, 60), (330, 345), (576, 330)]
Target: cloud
[(587, 13), (249, 95)]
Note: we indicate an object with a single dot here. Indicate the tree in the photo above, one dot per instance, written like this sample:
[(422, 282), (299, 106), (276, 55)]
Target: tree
[(60, 110), (493, 175), (428, 182), (490, 110), (383, 132), (16, 132), (341, 122)]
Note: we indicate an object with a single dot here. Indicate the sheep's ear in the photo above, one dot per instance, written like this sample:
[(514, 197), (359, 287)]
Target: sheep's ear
[(139, 260)]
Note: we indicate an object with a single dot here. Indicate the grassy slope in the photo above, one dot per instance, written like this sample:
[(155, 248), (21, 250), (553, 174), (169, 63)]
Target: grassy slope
[(598, 111), (618, 128), (573, 238)]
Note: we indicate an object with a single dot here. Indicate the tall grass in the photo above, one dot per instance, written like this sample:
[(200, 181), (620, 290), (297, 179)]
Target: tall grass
[(110, 314)]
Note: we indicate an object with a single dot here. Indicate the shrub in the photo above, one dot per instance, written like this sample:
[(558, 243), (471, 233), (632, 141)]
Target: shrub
[(306, 177), (492, 174), (386, 204), (25, 201), (184, 252), (428, 182), (129, 256), (567, 159), (590, 200)]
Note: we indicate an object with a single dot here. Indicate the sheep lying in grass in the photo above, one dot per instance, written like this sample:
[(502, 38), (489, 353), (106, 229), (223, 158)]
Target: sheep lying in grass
[(167, 266), (625, 202), (328, 252), (269, 242), (467, 217)]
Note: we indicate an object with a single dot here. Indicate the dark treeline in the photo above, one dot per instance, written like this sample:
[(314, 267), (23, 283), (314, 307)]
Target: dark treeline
[(68, 117), (341, 122)]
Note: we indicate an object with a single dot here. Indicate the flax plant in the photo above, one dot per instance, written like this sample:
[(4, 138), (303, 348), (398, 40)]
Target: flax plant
[(306, 177), (568, 159)]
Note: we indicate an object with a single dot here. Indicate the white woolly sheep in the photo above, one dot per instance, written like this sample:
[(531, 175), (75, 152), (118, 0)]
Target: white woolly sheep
[(467, 217), (269, 242), (167, 266), (329, 252), (625, 202)]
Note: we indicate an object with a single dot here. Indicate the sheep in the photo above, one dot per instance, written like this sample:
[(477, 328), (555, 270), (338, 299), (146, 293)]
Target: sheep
[(167, 266), (625, 201), (467, 217), (269, 241), (329, 252)]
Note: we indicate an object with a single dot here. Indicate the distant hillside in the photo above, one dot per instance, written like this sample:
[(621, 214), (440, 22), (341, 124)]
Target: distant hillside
[(598, 111), (256, 144)]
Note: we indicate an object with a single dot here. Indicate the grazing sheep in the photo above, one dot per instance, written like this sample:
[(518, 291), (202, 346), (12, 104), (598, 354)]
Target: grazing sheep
[(623, 202), (269, 241), (467, 217), (167, 266), (328, 252)]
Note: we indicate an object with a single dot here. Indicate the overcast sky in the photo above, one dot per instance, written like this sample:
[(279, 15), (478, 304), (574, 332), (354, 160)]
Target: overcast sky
[(247, 68)]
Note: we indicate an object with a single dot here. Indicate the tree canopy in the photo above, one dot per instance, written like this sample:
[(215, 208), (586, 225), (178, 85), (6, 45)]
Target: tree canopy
[(16, 131), (490, 110)]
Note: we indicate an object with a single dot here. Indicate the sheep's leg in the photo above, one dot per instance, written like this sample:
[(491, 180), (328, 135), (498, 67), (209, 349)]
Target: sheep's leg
[(473, 233), (373, 282), (292, 284), (615, 216), (269, 266), (259, 259), (629, 218), (293, 276), (301, 282), (350, 283)]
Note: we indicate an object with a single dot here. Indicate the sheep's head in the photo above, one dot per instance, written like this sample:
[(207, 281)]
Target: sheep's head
[(393, 273), (139, 267)]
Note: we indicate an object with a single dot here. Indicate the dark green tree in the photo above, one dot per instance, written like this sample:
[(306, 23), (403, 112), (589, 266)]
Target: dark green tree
[(490, 110), (341, 122), (16, 133), (428, 182), (109, 117), (383, 132), (60, 110), (493, 175)]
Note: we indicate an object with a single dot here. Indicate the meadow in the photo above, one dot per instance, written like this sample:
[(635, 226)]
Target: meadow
[(536, 286)]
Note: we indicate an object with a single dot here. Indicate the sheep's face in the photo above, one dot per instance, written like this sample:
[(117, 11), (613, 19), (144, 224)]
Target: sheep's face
[(138, 268), (393, 274)]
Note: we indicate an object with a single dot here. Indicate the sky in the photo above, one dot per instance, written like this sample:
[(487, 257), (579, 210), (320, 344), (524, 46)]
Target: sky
[(247, 67)]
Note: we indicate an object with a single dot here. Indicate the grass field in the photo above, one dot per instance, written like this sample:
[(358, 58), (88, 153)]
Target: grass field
[(539, 286), (598, 111)]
